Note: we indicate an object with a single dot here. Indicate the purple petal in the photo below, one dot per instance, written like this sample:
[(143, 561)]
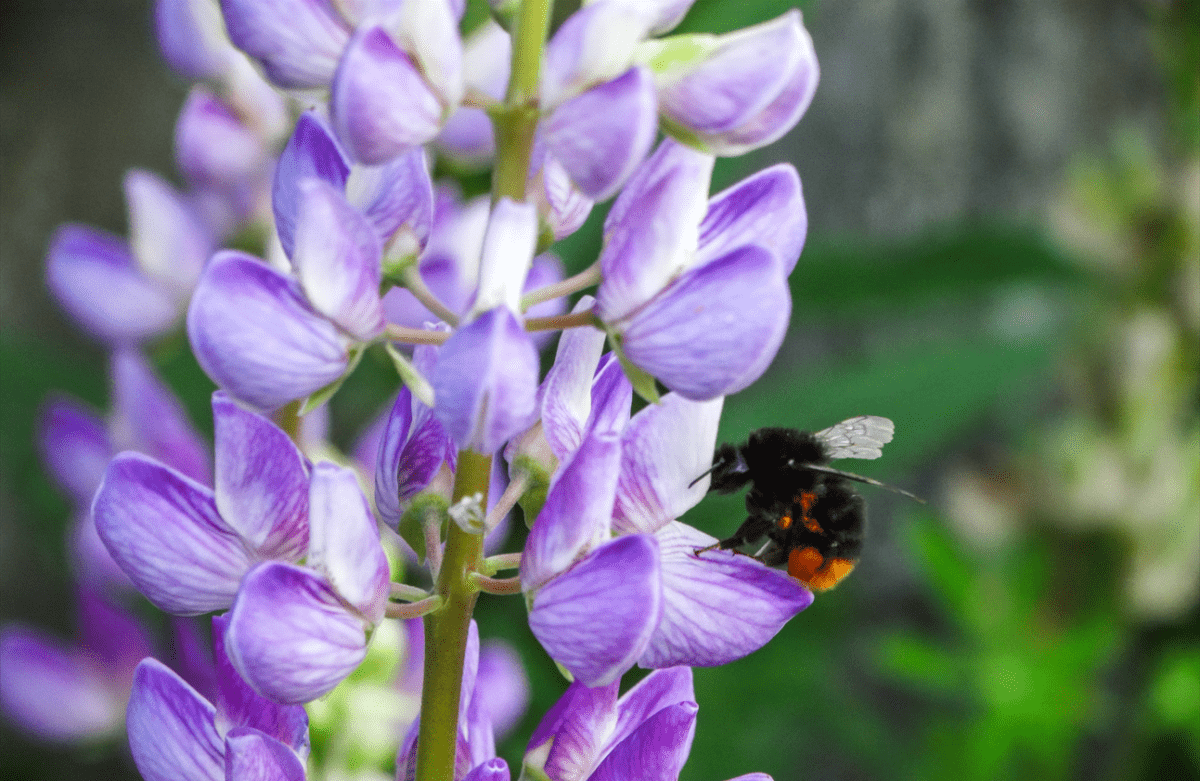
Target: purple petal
[(311, 152), (241, 706), (408, 456), (112, 635), (172, 734), (577, 512), (191, 37), (254, 334), (560, 202), (545, 270), (213, 147), (382, 106), (602, 135), (657, 750), (579, 724), (467, 137), (336, 256), (189, 652), (39, 674), (93, 564), (597, 618), (262, 482), (612, 395), (753, 777), (567, 390), (485, 381), (75, 447), (297, 41), (344, 540), (494, 769), (593, 45), (658, 690), (651, 231), (253, 756), (665, 447), (148, 418), (165, 234), (93, 277), (289, 635), (766, 209), (748, 92), (164, 531), (714, 330), (394, 196), (717, 607), (507, 255), (502, 684)]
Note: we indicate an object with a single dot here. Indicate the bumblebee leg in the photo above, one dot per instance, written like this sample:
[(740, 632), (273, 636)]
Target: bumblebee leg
[(751, 529)]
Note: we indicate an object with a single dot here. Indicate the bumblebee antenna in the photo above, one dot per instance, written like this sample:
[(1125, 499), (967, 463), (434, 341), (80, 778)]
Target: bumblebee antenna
[(703, 474), (851, 476)]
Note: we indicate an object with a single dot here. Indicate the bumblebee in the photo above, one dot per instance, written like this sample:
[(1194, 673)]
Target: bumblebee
[(813, 518)]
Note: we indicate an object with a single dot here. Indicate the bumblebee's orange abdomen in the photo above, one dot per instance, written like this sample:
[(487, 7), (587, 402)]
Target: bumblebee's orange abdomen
[(808, 566)]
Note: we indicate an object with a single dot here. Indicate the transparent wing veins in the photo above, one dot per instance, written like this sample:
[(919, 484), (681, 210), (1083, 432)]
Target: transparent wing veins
[(861, 437)]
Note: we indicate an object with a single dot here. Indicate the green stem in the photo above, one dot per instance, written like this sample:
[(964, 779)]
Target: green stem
[(517, 121), (446, 631)]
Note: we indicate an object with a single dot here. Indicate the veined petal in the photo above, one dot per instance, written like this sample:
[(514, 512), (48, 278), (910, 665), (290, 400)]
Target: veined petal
[(168, 240), (651, 233), (658, 690), (395, 196), (596, 618), (93, 277), (191, 37), (429, 33), (485, 381), (766, 209), (39, 675), (261, 482), (255, 335), (567, 389), (577, 512), (289, 635), (753, 87), (297, 41), (657, 749), (74, 446), (311, 152), (241, 706), (714, 330), (601, 135), (382, 106), (213, 147), (560, 203), (148, 418), (717, 607), (252, 756), (579, 725), (164, 531), (412, 449), (665, 447), (337, 258), (172, 734), (594, 44), (344, 540), (612, 395)]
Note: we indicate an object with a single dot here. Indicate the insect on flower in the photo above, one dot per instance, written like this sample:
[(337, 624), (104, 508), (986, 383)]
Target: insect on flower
[(813, 519)]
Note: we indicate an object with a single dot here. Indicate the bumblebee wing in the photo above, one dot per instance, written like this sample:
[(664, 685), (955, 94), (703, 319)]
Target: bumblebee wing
[(861, 437)]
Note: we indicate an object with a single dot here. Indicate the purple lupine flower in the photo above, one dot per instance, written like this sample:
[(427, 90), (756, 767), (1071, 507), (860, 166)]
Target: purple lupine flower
[(467, 136), (186, 546), (296, 632), (487, 692), (177, 733), (733, 93), (71, 693), (485, 380), (696, 293), (591, 734)]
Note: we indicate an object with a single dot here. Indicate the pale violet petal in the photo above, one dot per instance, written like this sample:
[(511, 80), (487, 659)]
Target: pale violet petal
[(717, 606), (297, 41), (252, 756), (665, 448), (507, 255), (657, 749), (766, 209), (191, 37), (172, 730), (75, 447), (311, 152), (567, 389), (594, 44), (166, 236), (164, 531)]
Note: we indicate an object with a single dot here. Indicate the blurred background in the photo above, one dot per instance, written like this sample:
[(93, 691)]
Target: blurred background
[(1003, 257)]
